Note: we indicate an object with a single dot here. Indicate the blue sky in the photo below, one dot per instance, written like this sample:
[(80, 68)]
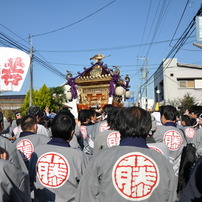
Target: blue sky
[(68, 33)]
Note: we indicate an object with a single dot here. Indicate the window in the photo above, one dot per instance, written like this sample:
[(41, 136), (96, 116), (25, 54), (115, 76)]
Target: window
[(186, 83)]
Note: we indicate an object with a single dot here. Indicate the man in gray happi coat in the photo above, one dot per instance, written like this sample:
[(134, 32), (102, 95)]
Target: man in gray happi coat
[(131, 171), (170, 135), (28, 139), (14, 182), (102, 125), (109, 137), (56, 168)]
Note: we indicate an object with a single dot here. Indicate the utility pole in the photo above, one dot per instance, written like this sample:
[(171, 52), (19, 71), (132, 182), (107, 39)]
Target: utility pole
[(144, 75), (31, 70), (146, 86)]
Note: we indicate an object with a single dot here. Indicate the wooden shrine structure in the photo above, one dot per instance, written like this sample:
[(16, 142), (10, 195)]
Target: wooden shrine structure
[(96, 86)]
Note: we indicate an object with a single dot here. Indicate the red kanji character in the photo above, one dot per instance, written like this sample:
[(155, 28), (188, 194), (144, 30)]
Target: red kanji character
[(13, 74), (135, 176)]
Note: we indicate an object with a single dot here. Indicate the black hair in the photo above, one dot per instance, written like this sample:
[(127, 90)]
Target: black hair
[(18, 121), (112, 116), (62, 126), (83, 115), (107, 108), (92, 112), (169, 112), (27, 122), (186, 119), (65, 111), (133, 122), (1, 117), (195, 109), (33, 110), (193, 122)]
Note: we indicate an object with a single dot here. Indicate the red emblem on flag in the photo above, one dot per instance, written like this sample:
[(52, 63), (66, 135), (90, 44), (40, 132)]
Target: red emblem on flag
[(53, 170), (135, 176), (12, 71), (172, 139), (26, 148), (113, 139)]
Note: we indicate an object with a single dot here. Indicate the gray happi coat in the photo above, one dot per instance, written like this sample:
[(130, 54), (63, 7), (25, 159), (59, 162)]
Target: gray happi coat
[(14, 183), (127, 173), (105, 139), (175, 140), (59, 170)]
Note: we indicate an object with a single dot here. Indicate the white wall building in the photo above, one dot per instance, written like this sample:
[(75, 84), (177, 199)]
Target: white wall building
[(173, 80)]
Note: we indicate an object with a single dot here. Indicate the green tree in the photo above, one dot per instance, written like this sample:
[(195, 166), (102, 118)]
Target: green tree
[(186, 102), (42, 97), (53, 98), (57, 98), (26, 101)]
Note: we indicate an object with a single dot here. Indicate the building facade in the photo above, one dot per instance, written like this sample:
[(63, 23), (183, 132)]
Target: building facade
[(173, 80), (11, 102)]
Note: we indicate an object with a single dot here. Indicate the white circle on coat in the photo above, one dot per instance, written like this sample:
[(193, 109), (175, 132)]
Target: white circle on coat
[(189, 132), (172, 139), (26, 148), (53, 170), (113, 139), (135, 176)]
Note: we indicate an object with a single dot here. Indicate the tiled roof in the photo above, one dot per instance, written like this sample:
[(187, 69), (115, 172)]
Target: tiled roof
[(13, 97)]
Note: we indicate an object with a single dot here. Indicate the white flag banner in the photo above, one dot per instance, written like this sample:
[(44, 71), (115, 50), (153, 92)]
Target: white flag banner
[(14, 65)]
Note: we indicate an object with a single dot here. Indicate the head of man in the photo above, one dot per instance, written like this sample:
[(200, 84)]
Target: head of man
[(168, 113), (112, 116), (18, 115), (133, 122), (106, 109), (29, 123), (63, 126), (84, 116), (34, 111)]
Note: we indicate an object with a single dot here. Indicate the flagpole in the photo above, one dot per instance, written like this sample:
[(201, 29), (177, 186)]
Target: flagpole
[(31, 70)]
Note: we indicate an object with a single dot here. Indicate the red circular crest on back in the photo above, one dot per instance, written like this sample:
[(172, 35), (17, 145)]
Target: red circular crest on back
[(190, 132), (26, 147), (172, 139), (103, 126), (53, 170), (135, 176), (113, 139)]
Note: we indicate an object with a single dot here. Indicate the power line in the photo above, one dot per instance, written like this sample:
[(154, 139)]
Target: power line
[(180, 21), (185, 36), (11, 43), (78, 21), (104, 49)]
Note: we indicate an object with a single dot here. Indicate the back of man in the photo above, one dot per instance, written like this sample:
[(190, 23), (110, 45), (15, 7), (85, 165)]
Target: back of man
[(28, 139), (105, 139), (14, 156), (14, 183), (170, 135), (124, 173), (131, 171), (56, 168), (59, 171)]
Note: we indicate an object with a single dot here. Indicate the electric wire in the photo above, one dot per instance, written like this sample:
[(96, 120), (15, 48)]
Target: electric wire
[(186, 34), (78, 21), (179, 21)]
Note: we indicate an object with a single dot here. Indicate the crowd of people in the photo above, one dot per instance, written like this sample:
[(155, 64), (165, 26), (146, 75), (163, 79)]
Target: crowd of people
[(119, 154)]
